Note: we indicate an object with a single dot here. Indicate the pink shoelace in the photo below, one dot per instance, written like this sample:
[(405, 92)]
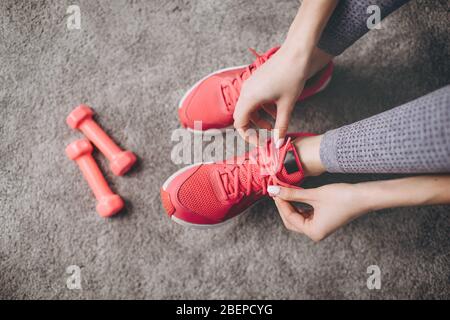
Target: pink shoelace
[(231, 88), (258, 180)]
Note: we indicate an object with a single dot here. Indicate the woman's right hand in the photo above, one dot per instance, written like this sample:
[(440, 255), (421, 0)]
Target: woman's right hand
[(279, 80)]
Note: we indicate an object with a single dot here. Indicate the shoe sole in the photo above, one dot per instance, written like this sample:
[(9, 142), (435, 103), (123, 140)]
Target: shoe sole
[(218, 131), (170, 209)]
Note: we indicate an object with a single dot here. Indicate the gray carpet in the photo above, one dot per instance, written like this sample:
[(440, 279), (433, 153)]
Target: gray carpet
[(132, 61)]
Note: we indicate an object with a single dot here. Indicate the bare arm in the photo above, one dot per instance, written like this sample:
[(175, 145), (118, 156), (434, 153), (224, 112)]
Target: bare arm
[(337, 204), (413, 191), (282, 78), (307, 27)]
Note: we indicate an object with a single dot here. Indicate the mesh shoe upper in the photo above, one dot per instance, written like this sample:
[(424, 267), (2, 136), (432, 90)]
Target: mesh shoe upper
[(218, 191), (212, 101)]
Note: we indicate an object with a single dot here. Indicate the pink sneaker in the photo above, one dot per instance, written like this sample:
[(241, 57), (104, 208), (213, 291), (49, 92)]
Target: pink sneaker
[(210, 194), (212, 100)]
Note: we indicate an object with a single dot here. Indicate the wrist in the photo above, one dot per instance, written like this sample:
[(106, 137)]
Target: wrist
[(369, 195), (359, 204), (305, 59), (299, 59), (298, 48)]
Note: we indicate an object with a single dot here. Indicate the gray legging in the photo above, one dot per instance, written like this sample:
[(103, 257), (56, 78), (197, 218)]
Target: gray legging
[(348, 23), (412, 138)]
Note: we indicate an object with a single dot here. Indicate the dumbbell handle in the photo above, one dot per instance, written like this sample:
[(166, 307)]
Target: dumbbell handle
[(95, 133), (108, 203), (93, 176), (120, 161)]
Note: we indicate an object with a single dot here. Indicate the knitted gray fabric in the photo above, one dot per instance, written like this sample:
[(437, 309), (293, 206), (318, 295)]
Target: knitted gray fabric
[(411, 138), (348, 23)]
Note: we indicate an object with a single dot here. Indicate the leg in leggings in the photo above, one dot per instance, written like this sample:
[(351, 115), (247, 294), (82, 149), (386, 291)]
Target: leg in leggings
[(411, 138), (348, 23)]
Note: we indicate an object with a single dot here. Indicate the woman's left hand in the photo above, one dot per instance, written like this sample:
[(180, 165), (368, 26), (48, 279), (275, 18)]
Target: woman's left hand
[(333, 206)]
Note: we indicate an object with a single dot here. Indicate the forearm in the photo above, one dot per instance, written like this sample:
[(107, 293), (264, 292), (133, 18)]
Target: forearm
[(412, 191), (309, 23), (304, 34), (405, 192)]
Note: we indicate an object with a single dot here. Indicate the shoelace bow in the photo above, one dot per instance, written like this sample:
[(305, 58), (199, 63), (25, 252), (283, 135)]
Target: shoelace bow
[(231, 88), (230, 176)]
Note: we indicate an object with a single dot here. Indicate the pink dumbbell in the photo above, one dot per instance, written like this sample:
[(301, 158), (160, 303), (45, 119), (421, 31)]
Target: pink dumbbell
[(108, 202), (119, 161)]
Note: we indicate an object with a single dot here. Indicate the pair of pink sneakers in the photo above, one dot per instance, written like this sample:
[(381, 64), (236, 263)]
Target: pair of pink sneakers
[(210, 194)]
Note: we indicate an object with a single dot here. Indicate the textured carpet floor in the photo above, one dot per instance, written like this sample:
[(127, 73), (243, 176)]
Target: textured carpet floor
[(132, 61)]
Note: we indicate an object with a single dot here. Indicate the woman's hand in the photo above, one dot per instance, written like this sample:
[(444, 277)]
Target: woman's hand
[(335, 205), (280, 80), (332, 206)]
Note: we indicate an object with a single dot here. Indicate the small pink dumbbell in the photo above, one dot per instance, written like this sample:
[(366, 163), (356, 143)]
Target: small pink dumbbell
[(108, 202), (119, 161)]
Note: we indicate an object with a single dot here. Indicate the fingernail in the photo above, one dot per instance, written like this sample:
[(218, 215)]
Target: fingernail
[(279, 143), (273, 190)]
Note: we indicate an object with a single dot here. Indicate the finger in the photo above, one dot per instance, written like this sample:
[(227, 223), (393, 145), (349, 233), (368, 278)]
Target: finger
[(242, 119), (250, 135), (291, 194), (306, 210), (244, 129), (284, 110), (260, 122), (290, 215), (242, 124), (287, 224), (242, 112), (270, 109)]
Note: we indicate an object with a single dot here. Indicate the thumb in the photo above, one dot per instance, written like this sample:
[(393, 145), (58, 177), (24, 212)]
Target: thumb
[(292, 219), (291, 194), (284, 110)]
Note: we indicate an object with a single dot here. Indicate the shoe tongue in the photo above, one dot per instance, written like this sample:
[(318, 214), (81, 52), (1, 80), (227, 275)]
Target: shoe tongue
[(290, 169)]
